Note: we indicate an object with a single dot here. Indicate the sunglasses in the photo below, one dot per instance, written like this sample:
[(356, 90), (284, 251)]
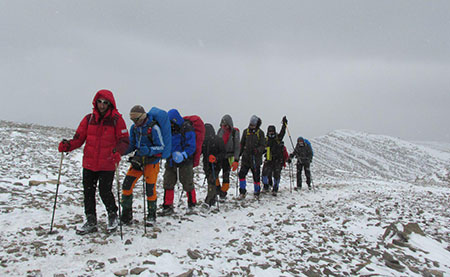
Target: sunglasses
[(136, 119), (106, 102)]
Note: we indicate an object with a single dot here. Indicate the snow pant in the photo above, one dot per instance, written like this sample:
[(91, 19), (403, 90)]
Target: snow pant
[(105, 180), (256, 172), (133, 175), (186, 176), (271, 170), (300, 167), (212, 176)]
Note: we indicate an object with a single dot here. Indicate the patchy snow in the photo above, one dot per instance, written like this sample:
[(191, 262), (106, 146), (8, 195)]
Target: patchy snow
[(367, 188)]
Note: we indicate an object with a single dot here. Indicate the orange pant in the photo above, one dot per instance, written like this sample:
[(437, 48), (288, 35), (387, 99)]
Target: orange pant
[(151, 175)]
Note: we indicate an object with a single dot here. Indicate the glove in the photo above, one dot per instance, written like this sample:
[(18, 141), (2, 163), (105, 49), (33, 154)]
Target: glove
[(285, 121), (234, 166), (212, 159), (136, 162), (289, 160), (64, 146), (116, 158), (177, 157), (185, 155), (144, 151)]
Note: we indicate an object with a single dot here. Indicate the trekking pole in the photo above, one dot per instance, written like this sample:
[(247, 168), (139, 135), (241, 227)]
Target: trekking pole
[(290, 178), (56, 194), (118, 199), (290, 138), (144, 193), (214, 178)]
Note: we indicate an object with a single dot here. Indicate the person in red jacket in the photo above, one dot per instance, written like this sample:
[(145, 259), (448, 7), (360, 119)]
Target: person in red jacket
[(106, 137)]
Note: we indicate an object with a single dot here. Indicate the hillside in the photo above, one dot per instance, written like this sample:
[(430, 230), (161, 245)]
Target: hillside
[(380, 207)]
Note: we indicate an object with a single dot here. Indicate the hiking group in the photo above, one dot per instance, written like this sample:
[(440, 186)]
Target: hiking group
[(158, 135)]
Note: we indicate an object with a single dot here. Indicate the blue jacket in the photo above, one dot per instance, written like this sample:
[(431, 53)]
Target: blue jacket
[(146, 136), (183, 135)]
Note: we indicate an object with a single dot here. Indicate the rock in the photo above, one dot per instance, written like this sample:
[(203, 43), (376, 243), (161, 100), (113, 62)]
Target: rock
[(35, 183), (137, 270), (194, 254), (59, 238), (128, 242), (112, 260), (433, 273), (94, 265), (149, 262), (156, 252), (18, 184), (189, 273), (241, 251), (413, 228), (392, 263), (123, 272)]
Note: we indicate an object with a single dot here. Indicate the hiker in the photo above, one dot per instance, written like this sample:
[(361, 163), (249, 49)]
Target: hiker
[(147, 141), (106, 137), (274, 159), (304, 154), (213, 151), (180, 164), (252, 149), (231, 137)]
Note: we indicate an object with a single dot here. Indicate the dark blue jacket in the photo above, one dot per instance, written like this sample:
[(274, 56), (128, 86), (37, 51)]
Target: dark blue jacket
[(183, 135)]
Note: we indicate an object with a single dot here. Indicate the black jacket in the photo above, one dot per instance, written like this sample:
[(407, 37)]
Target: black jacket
[(212, 145)]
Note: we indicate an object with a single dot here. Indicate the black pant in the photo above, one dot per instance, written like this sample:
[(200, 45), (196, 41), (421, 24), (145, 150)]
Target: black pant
[(271, 170), (256, 172), (300, 167), (225, 171), (105, 180)]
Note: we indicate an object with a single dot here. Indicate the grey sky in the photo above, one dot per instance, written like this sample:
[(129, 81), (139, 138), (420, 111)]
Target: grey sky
[(376, 66)]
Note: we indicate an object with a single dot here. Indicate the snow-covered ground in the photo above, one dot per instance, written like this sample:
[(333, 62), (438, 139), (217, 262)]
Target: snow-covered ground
[(380, 207)]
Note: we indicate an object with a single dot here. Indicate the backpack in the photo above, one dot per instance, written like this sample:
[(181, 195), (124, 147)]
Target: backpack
[(199, 129), (162, 119), (285, 156)]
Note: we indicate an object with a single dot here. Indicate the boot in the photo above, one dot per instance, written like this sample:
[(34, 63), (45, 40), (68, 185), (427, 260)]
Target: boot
[(242, 193), (127, 216), (151, 217), (167, 210), (90, 226), (113, 222), (223, 190)]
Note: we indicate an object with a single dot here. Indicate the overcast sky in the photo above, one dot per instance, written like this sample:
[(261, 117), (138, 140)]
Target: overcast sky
[(376, 66)]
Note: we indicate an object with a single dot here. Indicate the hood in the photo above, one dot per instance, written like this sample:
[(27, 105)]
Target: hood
[(255, 120), (104, 93), (175, 117), (227, 120), (271, 128), (209, 131)]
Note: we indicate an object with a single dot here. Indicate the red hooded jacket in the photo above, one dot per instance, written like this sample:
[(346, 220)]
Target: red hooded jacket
[(103, 135)]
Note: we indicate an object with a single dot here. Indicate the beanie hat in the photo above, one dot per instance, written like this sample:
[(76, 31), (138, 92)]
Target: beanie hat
[(137, 113), (254, 120)]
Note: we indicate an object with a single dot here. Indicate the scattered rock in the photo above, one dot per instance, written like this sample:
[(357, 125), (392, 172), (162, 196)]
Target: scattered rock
[(189, 273), (149, 262), (194, 254), (137, 270), (112, 260), (128, 242), (413, 228), (35, 183)]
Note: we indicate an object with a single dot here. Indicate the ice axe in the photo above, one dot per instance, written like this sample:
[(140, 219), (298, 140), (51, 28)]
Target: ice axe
[(56, 195)]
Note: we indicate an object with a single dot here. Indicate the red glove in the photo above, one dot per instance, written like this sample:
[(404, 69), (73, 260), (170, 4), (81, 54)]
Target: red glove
[(234, 166), (116, 158), (212, 159), (64, 146)]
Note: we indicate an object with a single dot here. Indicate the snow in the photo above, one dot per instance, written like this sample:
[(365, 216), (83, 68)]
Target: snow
[(364, 183)]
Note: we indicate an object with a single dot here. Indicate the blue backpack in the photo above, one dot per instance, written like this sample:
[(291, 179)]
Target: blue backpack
[(164, 124)]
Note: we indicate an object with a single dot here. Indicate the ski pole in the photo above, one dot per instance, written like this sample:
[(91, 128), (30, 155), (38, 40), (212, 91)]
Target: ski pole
[(118, 199), (144, 192), (56, 194)]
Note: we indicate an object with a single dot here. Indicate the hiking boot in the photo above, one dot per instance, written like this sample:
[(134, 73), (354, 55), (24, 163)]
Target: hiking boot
[(241, 196), (151, 221), (90, 226), (256, 194), (265, 189), (113, 222), (298, 188), (274, 193), (166, 211), (127, 216), (222, 195)]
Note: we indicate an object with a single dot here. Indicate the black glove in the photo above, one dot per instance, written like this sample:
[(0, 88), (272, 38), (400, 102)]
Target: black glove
[(285, 121), (289, 160), (136, 162)]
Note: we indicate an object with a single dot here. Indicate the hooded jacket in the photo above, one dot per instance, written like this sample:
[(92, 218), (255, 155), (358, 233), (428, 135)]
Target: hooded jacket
[(212, 145), (183, 135), (303, 151), (230, 137), (275, 146), (104, 135), (252, 145)]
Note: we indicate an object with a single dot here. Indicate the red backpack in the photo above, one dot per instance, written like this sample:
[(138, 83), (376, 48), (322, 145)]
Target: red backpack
[(199, 129), (285, 156)]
